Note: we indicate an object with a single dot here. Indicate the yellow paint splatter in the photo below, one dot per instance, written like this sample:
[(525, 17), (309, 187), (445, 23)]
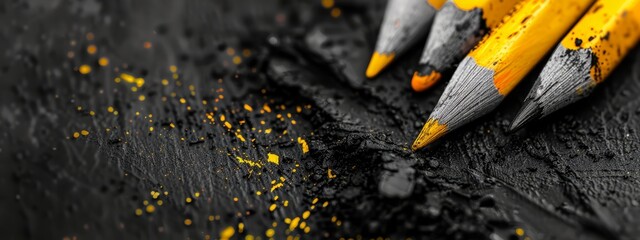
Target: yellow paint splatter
[(306, 214), (519, 232), (187, 222), (272, 158), (84, 132), (227, 124), (138, 212), (303, 144), (249, 162), (272, 207), (76, 135), (141, 98), (331, 174)]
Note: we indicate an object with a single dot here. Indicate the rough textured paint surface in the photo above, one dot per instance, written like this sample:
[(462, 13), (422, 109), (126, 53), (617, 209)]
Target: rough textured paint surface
[(181, 169)]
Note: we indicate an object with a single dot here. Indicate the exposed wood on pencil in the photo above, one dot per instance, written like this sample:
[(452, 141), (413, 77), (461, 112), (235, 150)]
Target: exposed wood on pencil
[(457, 27), (584, 58), (404, 22), (499, 63)]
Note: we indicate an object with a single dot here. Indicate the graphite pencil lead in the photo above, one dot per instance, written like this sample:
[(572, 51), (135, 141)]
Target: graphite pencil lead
[(586, 56), (499, 63), (457, 27), (404, 23), (530, 111)]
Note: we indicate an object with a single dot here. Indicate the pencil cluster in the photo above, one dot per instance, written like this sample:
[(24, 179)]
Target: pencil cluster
[(496, 43)]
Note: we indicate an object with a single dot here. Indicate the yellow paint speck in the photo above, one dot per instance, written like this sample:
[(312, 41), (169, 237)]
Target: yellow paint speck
[(92, 49), (76, 135), (227, 124), (165, 82), (248, 108), (187, 222), (336, 12), (327, 3), (138, 212), (188, 200), (306, 214), (183, 101), (84, 69), (151, 209), (150, 129), (303, 145), (84, 132), (270, 232), (272, 158), (519, 232), (331, 174), (237, 60), (141, 98), (272, 207), (227, 233), (103, 61)]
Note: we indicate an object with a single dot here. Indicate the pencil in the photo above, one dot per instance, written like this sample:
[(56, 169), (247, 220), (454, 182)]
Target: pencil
[(457, 27), (404, 22), (499, 62), (584, 58)]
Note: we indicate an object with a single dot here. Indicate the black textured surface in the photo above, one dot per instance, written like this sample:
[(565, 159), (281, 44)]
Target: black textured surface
[(573, 175)]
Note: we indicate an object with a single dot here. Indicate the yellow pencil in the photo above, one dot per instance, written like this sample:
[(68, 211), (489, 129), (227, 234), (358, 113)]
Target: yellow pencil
[(457, 27), (499, 62), (404, 22), (584, 58)]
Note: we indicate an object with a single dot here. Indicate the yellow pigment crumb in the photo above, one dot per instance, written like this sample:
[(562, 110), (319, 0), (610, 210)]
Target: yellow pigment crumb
[(248, 108), (294, 223), (138, 212), (270, 232), (331, 174), (227, 124), (187, 222), (272, 207), (519, 232), (272, 158), (327, 3), (84, 132), (237, 60), (336, 12), (188, 200), (92, 49), (151, 209), (141, 98), (103, 61), (304, 145), (76, 134), (227, 233), (84, 69)]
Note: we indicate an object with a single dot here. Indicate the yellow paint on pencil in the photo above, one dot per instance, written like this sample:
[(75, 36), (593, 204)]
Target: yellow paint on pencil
[(514, 48), (437, 4), (378, 62), (609, 38), (434, 130), (492, 11)]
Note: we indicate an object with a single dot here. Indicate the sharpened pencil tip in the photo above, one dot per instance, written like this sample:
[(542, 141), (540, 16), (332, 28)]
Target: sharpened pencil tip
[(431, 131), (529, 112), (421, 82), (378, 62)]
